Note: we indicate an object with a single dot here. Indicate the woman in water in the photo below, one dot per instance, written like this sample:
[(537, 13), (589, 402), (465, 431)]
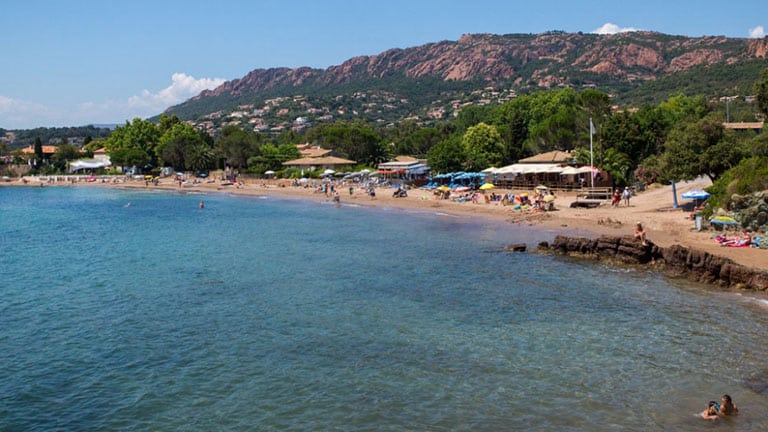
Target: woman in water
[(727, 407)]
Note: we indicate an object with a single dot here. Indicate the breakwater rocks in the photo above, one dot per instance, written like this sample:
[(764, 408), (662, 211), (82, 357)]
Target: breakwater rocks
[(676, 260)]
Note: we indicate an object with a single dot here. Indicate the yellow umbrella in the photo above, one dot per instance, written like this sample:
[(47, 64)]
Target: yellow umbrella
[(549, 198), (444, 188), (487, 186)]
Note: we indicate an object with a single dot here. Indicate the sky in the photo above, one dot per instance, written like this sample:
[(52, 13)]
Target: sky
[(80, 62)]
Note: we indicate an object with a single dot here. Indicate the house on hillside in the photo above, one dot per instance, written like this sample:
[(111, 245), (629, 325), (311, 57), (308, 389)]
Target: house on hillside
[(29, 153)]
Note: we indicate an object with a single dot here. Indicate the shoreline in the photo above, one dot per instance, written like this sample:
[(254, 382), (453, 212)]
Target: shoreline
[(664, 225)]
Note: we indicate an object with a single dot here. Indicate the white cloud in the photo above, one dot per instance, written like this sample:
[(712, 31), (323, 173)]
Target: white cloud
[(15, 111), (757, 32), (183, 87), (19, 114), (611, 28)]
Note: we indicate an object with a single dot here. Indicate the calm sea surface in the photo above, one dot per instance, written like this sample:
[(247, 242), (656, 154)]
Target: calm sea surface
[(138, 311)]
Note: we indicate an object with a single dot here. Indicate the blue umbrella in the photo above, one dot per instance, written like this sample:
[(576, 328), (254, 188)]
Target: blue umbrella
[(696, 194)]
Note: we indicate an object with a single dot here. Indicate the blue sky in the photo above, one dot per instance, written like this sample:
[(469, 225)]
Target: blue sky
[(78, 62)]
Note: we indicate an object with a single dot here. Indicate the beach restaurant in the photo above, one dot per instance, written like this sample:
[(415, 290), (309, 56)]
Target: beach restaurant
[(405, 168), (314, 163), (556, 170)]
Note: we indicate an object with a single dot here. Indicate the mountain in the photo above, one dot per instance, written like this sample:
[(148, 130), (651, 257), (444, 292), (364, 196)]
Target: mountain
[(634, 67)]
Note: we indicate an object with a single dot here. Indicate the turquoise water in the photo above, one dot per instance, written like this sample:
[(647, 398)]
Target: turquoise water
[(136, 310)]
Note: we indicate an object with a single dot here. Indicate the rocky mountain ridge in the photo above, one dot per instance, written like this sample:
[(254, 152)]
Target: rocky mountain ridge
[(521, 61)]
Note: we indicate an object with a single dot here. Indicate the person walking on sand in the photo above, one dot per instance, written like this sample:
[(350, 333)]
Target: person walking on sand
[(616, 199), (626, 195)]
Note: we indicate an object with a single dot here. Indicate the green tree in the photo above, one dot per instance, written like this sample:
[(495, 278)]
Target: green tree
[(236, 145), (472, 115), (357, 141), (682, 107), (136, 135), (129, 157), (482, 147), (700, 148), (447, 156), (183, 148), (199, 156), (271, 157), (63, 154), (511, 120), (166, 122), (38, 153), (761, 92)]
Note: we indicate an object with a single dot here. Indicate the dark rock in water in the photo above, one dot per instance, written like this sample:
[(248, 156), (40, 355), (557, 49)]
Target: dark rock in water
[(517, 247), (543, 246), (758, 383), (677, 260)]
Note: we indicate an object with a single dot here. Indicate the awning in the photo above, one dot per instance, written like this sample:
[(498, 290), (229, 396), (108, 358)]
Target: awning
[(88, 164), (530, 169), (580, 170)]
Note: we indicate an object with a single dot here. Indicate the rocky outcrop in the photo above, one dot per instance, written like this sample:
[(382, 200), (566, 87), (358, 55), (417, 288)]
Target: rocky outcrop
[(676, 260), (758, 48), (751, 210)]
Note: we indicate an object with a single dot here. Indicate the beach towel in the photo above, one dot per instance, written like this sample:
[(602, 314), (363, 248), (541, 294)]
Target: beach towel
[(740, 243)]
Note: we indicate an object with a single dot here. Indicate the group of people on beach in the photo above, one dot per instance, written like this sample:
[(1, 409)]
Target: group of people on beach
[(715, 410), (745, 240), (619, 197)]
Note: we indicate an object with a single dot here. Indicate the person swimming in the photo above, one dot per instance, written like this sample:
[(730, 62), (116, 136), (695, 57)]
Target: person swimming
[(711, 413)]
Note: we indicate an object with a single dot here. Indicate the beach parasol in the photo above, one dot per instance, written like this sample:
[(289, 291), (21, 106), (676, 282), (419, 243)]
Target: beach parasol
[(548, 198), (269, 172), (487, 186), (723, 221), (696, 194), (541, 187), (444, 188), (461, 189)]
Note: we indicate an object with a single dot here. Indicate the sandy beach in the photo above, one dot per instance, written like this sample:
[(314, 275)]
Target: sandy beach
[(653, 207)]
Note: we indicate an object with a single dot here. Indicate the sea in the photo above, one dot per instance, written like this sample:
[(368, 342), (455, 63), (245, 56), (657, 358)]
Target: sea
[(136, 310)]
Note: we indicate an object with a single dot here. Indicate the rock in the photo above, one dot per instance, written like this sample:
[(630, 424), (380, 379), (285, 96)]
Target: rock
[(677, 260), (517, 247)]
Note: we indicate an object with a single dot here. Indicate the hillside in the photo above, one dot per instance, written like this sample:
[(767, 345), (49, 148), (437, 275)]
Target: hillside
[(634, 67)]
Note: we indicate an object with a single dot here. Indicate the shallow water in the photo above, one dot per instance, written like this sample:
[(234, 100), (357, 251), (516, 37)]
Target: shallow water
[(135, 310)]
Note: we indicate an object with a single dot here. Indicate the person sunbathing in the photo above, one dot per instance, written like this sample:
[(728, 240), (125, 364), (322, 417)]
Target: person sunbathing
[(744, 241)]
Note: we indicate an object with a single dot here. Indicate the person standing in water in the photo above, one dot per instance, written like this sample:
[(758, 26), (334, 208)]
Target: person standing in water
[(202, 204)]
